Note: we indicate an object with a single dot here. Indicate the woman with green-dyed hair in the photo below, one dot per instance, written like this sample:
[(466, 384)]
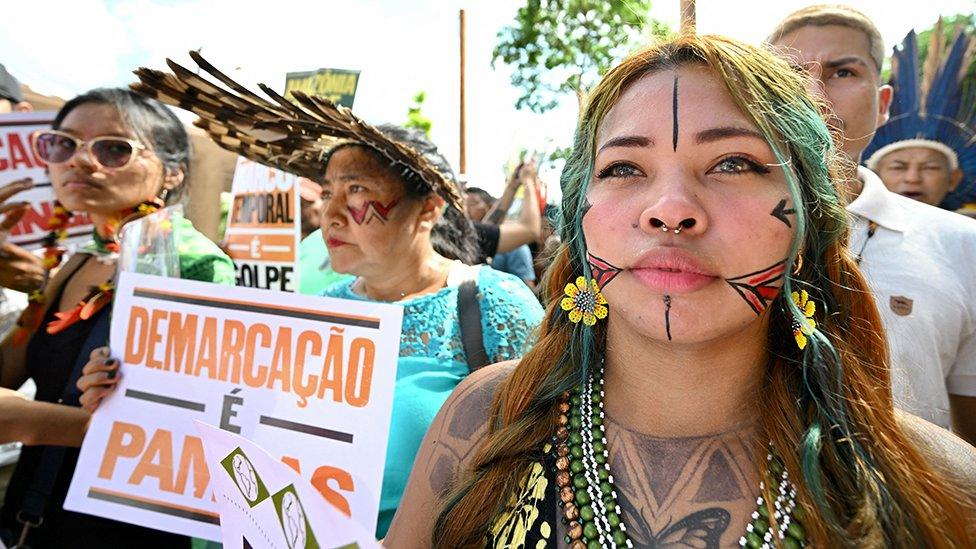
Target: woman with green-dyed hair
[(711, 371)]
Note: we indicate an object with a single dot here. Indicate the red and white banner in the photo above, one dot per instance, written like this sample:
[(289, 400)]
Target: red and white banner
[(17, 161)]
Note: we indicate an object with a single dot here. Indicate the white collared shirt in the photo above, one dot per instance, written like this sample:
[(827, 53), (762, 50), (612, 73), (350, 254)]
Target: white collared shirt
[(921, 266)]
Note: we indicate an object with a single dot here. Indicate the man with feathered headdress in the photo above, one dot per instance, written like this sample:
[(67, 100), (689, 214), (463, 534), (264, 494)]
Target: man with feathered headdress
[(927, 149)]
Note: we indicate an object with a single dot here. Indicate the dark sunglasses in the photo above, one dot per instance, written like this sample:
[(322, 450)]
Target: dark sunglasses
[(55, 147)]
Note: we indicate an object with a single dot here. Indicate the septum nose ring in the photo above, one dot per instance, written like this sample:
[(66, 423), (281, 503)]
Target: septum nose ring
[(684, 224)]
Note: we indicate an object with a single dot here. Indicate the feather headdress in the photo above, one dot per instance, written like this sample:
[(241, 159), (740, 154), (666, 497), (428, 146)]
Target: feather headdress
[(296, 138), (932, 108)]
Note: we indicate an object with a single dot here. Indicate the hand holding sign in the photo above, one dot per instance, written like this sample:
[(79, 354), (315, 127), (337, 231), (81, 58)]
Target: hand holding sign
[(19, 269), (98, 379)]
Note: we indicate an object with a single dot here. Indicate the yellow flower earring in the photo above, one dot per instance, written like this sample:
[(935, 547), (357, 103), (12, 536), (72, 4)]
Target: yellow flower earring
[(584, 302), (801, 329)]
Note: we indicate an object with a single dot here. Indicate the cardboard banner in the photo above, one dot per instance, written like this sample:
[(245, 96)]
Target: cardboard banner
[(310, 378), (17, 161), (264, 227), (337, 85), (264, 503)]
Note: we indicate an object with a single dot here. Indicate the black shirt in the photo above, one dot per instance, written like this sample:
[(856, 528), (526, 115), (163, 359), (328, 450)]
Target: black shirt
[(50, 362)]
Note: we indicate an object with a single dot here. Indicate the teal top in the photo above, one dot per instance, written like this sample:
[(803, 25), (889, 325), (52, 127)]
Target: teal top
[(314, 274), (432, 361)]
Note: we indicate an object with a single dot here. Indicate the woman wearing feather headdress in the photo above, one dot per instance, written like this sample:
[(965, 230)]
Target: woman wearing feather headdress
[(927, 149), (392, 216), (115, 156)]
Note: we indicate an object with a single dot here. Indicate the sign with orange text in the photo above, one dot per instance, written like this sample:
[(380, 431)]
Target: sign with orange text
[(264, 227), (17, 161), (309, 378), (265, 503)]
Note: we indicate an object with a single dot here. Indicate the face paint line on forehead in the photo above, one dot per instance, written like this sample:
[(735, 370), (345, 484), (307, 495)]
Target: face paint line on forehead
[(760, 287), (370, 210), (674, 115), (602, 271), (781, 212), (667, 316)]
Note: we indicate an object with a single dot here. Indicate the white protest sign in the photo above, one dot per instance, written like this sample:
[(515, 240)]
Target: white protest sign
[(264, 503), (264, 227), (309, 378), (17, 161)]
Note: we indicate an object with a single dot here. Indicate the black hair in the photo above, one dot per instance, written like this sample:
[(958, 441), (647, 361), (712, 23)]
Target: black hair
[(453, 236), (484, 195), (152, 123)]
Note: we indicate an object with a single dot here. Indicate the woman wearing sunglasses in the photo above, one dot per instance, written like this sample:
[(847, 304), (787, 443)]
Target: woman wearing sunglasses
[(115, 156)]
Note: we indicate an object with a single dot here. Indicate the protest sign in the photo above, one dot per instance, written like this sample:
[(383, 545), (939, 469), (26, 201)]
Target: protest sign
[(17, 161), (264, 227), (310, 378), (337, 85), (264, 503)]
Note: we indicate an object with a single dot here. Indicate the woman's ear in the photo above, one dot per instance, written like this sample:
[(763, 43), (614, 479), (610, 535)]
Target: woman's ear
[(431, 210), (172, 179)]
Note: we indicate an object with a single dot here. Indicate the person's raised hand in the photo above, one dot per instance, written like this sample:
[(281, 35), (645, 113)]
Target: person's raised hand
[(98, 378), (19, 269)]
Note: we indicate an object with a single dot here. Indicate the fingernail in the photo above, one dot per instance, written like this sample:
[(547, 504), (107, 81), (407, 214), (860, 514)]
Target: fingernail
[(111, 375), (111, 362)]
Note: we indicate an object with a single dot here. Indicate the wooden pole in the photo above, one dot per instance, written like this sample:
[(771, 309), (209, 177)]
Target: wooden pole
[(687, 16), (462, 164)]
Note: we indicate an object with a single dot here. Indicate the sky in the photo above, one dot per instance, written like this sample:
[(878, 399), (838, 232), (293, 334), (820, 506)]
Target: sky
[(402, 47)]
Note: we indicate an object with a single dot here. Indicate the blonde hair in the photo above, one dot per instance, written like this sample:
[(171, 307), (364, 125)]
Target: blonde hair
[(822, 15)]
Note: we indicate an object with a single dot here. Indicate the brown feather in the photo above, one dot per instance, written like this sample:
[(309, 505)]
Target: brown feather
[(294, 137)]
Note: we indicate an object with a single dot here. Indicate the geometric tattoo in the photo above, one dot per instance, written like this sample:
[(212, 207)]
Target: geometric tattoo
[(372, 209), (760, 287), (781, 211), (603, 272)]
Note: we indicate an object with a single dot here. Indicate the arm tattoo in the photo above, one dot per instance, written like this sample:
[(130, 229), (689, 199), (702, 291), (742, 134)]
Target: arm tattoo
[(461, 434)]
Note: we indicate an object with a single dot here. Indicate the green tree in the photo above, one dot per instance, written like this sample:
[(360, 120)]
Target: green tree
[(416, 118), (563, 46)]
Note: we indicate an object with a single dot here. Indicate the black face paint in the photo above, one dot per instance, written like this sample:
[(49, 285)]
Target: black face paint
[(674, 115), (667, 316), (781, 212), (586, 207), (760, 287)]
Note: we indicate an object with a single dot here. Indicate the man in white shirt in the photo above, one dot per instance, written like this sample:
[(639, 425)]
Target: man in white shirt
[(919, 260)]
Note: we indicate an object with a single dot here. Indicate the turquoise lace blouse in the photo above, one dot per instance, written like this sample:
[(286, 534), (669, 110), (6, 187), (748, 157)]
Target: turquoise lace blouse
[(432, 361)]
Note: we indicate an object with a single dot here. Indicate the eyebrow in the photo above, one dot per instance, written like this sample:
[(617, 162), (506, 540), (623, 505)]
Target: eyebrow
[(835, 63), (726, 132), (346, 177), (627, 141)]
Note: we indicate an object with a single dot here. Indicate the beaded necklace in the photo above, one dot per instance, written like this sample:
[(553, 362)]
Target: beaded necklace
[(588, 499), (104, 246)]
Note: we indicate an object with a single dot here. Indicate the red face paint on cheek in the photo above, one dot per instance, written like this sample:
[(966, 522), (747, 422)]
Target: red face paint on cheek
[(370, 210)]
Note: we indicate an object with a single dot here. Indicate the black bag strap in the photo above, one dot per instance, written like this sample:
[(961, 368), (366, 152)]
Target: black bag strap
[(52, 457), (469, 318)]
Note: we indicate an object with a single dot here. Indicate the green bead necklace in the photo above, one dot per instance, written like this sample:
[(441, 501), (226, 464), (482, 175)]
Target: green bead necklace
[(588, 498)]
